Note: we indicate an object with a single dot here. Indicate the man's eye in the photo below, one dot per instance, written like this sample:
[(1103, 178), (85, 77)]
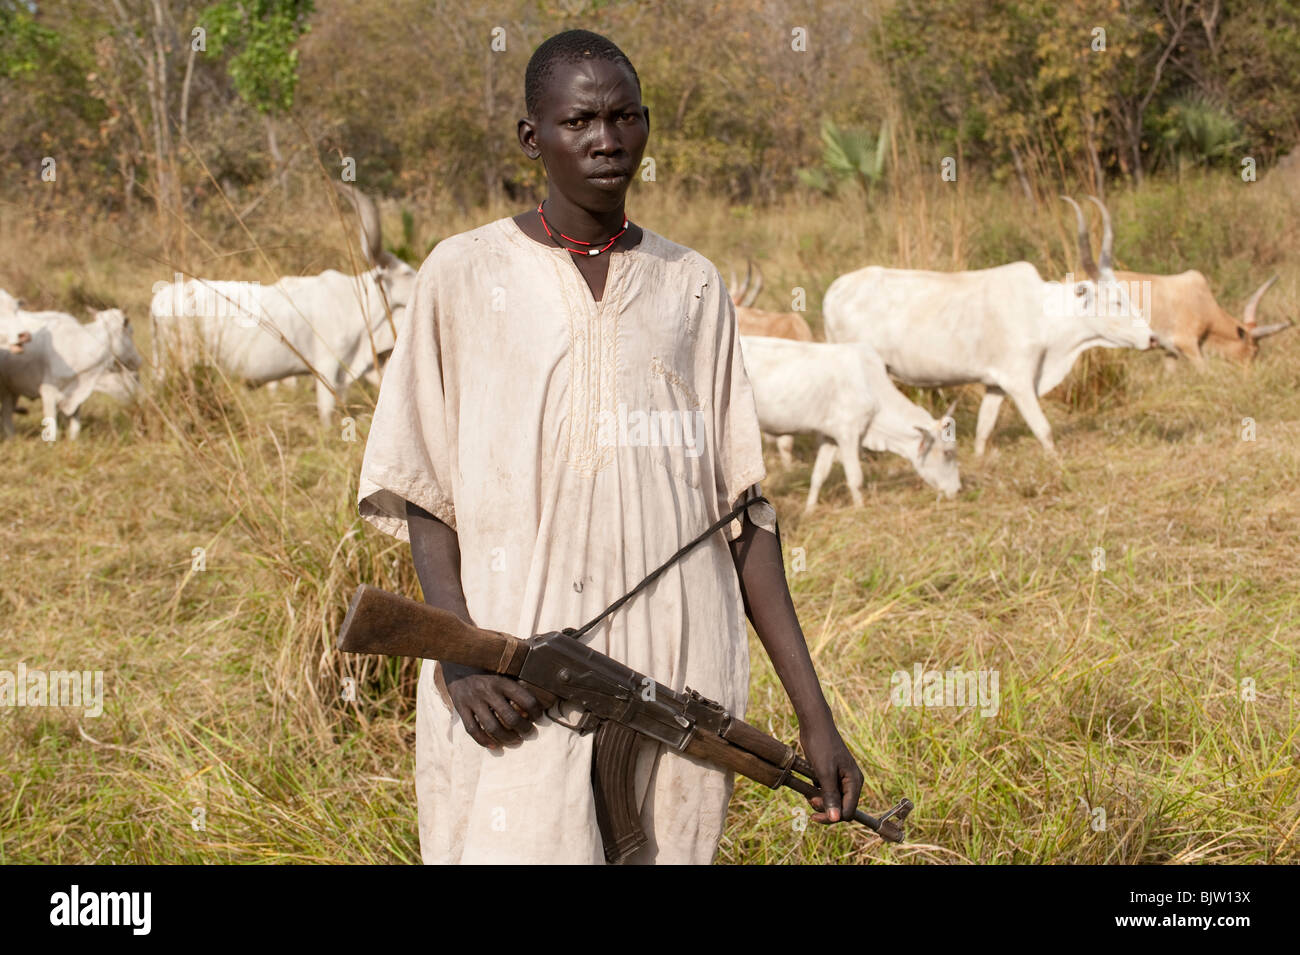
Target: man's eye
[(574, 123)]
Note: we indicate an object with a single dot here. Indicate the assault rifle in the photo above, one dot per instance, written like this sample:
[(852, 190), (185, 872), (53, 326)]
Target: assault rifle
[(619, 704)]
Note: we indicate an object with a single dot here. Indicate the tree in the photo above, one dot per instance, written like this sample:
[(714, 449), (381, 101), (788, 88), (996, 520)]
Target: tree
[(261, 39)]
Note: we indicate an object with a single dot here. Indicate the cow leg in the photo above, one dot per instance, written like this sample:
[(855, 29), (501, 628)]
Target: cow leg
[(7, 412), (324, 402), (74, 425), (988, 417), (1191, 349), (50, 409), (1027, 403), (821, 470), (785, 447), (852, 466)]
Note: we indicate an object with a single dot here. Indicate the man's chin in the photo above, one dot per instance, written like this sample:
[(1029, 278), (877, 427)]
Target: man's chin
[(599, 197)]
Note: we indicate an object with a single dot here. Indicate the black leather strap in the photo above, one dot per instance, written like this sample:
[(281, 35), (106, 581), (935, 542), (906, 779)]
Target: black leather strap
[(713, 528)]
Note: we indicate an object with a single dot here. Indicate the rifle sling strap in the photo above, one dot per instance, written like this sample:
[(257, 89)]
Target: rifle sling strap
[(681, 552)]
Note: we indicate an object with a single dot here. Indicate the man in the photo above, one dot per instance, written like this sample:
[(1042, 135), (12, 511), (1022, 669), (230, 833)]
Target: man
[(510, 444)]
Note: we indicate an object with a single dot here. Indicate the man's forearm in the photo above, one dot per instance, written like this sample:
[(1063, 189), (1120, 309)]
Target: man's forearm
[(435, 551), (771, 610)]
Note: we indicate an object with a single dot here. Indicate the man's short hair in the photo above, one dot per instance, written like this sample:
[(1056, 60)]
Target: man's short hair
[(571, 46)]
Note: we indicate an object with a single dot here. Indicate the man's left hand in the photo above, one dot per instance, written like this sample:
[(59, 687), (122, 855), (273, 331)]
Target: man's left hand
[(837, 772)]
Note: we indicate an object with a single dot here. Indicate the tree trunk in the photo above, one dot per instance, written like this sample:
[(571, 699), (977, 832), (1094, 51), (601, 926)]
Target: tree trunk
[(1094, 161), (273, 146), (1020, 174)]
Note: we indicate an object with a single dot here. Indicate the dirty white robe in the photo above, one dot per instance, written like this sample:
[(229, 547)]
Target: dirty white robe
[(516, 409)]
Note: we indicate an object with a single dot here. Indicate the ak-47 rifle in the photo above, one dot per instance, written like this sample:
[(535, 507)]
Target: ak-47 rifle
[(619, 704)]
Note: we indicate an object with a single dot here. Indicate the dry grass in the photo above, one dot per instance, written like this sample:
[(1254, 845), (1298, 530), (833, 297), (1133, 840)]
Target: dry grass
[(1120, 689)]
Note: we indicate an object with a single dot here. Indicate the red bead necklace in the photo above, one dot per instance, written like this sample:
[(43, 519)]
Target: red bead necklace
[(607, 245)]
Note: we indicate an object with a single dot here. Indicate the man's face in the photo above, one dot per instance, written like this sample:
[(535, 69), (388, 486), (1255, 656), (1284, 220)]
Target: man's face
[(590, 133)]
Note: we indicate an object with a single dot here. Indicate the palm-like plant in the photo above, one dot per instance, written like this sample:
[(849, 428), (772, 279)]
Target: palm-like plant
[(1204, 133), (848, 154)]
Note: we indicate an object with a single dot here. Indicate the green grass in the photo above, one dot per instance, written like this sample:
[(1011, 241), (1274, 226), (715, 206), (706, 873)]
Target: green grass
[(1120, 689)]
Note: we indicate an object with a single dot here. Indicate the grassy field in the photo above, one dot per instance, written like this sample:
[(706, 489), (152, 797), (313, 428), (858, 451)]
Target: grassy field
[(1127, 689)]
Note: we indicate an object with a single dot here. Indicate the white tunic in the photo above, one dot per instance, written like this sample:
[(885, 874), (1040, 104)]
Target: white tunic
[(573, 446)]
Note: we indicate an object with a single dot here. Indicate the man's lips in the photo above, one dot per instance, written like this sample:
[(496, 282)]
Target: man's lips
[(609, 174)]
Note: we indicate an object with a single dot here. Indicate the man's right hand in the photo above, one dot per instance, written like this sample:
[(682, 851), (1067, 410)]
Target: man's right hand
[(496, 710)]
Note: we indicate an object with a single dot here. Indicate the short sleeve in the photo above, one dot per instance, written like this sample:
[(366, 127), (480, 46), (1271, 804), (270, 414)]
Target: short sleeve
[(735, 427), (411, 451)]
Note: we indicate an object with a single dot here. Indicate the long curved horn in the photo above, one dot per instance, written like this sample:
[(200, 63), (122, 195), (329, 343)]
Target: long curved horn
[(739, 296), (1107, 261), (1085, 241), (1252, 305), (372, 238), (1263, 331), (950, 409), (758, 275)]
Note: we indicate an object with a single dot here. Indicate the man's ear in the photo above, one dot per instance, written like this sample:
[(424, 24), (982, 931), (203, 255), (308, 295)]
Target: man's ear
[(527, 133)]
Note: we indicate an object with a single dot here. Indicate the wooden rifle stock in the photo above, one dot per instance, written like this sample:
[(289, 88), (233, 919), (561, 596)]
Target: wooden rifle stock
[(613, 697), (396, 626)]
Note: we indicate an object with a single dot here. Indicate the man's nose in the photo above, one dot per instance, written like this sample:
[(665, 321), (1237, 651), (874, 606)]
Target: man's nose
[(606, 138)]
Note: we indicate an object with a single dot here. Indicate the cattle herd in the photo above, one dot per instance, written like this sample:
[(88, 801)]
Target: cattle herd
[(1006, 328)]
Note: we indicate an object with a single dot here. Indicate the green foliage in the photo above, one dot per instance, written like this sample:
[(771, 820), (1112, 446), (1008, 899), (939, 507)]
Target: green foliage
[(1017, 88), (407, 251), (261, 36), (850, 152), (24, 43), (1204, 132)]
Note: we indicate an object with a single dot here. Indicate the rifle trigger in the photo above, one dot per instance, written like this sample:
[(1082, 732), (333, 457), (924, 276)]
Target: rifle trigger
[(585, 724)]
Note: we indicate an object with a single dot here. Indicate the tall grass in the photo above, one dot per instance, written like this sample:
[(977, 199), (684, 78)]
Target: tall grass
[(1121, 689)]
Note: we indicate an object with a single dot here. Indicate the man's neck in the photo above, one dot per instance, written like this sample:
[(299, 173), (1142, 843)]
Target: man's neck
[(531, 225), (582, 224)]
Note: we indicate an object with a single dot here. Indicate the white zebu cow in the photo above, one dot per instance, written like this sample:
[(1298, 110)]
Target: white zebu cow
[(843, 393), (64, 361), (13, 334), (331, 325), (1006, 328)]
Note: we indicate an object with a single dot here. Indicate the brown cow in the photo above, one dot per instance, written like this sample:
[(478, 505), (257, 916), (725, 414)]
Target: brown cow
[(757, 322), (1186, 320), (1184, 317)]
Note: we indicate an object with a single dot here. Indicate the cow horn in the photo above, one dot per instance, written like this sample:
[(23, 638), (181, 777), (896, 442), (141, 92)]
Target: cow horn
[(1248, 317), (1263, 331), (951, 407), (1107, 261), (372, 239), (739, 296), (758, 276), (1085, 241)]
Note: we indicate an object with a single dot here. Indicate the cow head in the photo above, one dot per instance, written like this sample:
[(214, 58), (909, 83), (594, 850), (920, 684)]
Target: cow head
[(122, 377), (16, 343), (1245, 347), (1102, 302), (936, 454), (393, 277)]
